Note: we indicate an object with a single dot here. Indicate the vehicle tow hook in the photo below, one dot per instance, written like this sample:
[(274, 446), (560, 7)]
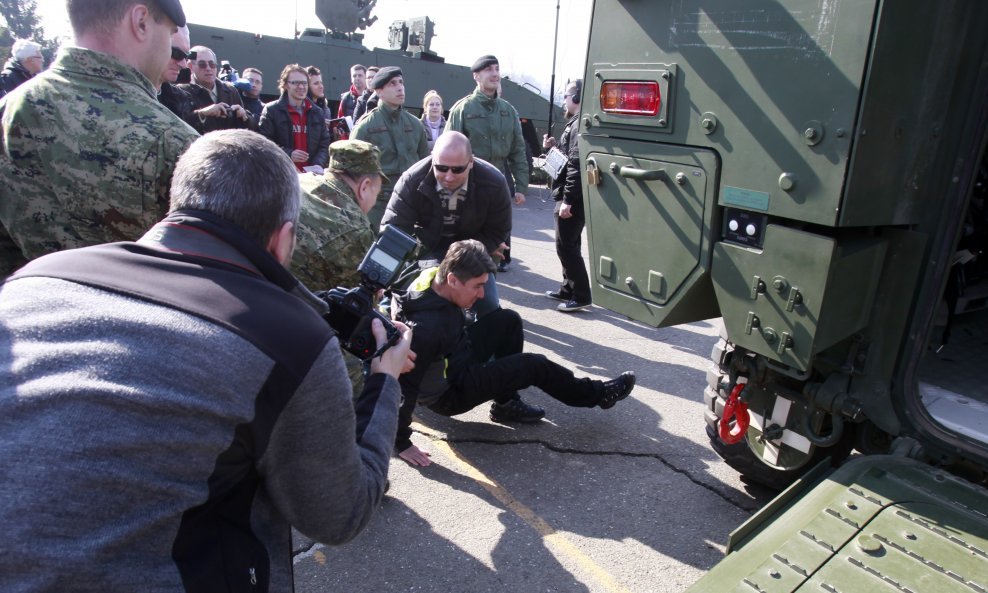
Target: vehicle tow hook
[(736, 410)]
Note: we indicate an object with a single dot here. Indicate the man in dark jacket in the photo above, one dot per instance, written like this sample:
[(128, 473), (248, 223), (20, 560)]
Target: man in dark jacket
[(453, 370), (451, 196), (218, 105), (175, 99), (295, 123), (567, 191), (25, 61), (232, 417)]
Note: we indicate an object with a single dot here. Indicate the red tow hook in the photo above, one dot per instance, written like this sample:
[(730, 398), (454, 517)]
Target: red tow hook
[(738, 411)]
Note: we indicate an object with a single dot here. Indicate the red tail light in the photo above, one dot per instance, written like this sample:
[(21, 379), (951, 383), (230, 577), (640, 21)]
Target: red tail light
[(631, 98)]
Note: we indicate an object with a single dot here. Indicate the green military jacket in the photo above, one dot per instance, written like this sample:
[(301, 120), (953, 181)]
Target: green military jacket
[(402, 140), (86, 156), (494, 130), (398, 134), (333, 234)]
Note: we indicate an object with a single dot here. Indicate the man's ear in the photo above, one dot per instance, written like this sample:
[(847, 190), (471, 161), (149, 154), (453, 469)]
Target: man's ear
[(282, 243), (140, 20)]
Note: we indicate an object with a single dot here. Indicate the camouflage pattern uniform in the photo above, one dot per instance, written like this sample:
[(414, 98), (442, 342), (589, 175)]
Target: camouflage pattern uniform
[(86, 156), (333, 233), (494, 130), (402, 141)]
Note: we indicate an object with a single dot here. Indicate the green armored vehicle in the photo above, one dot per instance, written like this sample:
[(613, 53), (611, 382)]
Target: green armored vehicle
[(811, 171)]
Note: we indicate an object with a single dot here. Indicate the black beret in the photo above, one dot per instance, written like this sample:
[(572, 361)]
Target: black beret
[(173, 8), (483, 62), (384, 75)]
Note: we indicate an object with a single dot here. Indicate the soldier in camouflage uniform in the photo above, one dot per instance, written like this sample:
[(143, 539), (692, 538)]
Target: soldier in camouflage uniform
[(398, 134), (86, 151), (494, 130), (333, 232)]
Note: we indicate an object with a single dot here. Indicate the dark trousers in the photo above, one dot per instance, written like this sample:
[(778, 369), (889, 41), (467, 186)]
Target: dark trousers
[(499, 336), (569, 232)]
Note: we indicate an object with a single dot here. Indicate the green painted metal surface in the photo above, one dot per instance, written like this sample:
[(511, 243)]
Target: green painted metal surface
[(879, 523)]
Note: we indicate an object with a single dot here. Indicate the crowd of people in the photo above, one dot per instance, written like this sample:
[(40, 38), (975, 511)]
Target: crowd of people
[(171, 398)]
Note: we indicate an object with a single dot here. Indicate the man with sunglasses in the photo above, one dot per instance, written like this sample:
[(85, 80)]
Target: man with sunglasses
[(451, 196), (175, 99), (86, 150), (217, 103)]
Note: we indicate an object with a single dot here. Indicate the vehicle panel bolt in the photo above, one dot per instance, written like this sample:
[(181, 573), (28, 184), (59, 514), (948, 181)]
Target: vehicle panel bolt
[(662, 121), (629, 281), (665, 74), (870, 545), (809, 133), (707, 124), (681, 178), (787, 181)]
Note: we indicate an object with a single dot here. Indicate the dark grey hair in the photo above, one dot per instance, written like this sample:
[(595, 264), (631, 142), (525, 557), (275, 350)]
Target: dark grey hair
[(466, 260), (240, 176)]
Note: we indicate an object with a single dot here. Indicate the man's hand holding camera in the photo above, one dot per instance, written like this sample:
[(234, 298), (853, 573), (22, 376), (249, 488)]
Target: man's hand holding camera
[(224, 110), (397, 359)]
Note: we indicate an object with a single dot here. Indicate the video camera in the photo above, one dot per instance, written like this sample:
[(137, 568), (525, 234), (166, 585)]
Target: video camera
[(352, 310)]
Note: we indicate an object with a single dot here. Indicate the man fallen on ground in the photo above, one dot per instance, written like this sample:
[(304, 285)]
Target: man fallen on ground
[(459, 368)]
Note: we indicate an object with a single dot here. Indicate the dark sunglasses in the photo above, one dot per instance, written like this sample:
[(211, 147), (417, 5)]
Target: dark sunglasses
[(447, 169), (179, 55)]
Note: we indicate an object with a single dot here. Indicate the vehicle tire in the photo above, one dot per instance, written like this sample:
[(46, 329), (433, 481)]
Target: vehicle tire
[(739, 455)]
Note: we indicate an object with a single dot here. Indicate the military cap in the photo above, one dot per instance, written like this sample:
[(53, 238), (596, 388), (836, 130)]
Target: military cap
[(483, 62), (355, 157), (172, 8), (384, 75)]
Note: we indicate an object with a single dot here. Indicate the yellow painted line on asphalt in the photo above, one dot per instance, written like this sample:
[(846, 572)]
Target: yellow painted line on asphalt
[(564, 549)]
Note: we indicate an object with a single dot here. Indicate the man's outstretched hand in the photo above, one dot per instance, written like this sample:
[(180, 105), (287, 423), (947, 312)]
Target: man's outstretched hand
[(415, 456)]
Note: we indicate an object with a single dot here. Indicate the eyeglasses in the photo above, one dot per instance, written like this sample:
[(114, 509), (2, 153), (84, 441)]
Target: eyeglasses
[(203, 64), (448, 168), (179, 55), (298, 82)]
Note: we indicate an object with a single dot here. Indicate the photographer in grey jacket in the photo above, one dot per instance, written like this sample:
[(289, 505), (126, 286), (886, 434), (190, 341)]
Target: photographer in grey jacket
[(170, 407)]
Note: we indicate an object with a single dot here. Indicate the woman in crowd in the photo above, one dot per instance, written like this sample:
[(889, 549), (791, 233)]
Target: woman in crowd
[(432, 116)]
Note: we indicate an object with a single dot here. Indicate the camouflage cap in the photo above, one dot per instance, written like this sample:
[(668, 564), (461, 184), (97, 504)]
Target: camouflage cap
[(355, 157)]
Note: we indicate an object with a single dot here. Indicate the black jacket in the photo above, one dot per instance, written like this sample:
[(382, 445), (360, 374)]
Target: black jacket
[(178, 102), (14, 75), (276, 125), (439, 337), (415, 208), (225, 93), (566, 186)]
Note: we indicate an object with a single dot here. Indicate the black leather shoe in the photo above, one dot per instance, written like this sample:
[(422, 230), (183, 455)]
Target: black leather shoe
[(617, 389), (573, 305), (558, 295), (502, 267), (516, 411)]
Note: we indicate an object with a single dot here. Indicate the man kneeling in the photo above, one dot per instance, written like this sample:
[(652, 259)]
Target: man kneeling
[(459, 367)]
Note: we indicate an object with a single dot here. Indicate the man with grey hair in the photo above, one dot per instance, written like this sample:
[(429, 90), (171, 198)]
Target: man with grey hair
[(171, 406), (217, 103), (69, 178), (25, 61)]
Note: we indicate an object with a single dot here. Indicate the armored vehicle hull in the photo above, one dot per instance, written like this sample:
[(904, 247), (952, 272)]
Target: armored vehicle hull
[(812, 172)]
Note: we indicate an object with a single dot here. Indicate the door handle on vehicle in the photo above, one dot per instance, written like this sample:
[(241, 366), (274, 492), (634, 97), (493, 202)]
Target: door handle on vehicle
[(643, 174)]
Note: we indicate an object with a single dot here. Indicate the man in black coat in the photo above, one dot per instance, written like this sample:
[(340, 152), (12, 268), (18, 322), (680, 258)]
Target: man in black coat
[(450, 196), (25, 61), (295, 123), (218, 105)]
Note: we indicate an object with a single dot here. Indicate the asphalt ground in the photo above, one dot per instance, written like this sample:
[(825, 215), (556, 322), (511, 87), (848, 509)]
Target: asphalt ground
[(630, 499)]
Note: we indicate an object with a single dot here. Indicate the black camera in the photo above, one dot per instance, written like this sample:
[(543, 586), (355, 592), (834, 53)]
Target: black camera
[(352, 310)]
